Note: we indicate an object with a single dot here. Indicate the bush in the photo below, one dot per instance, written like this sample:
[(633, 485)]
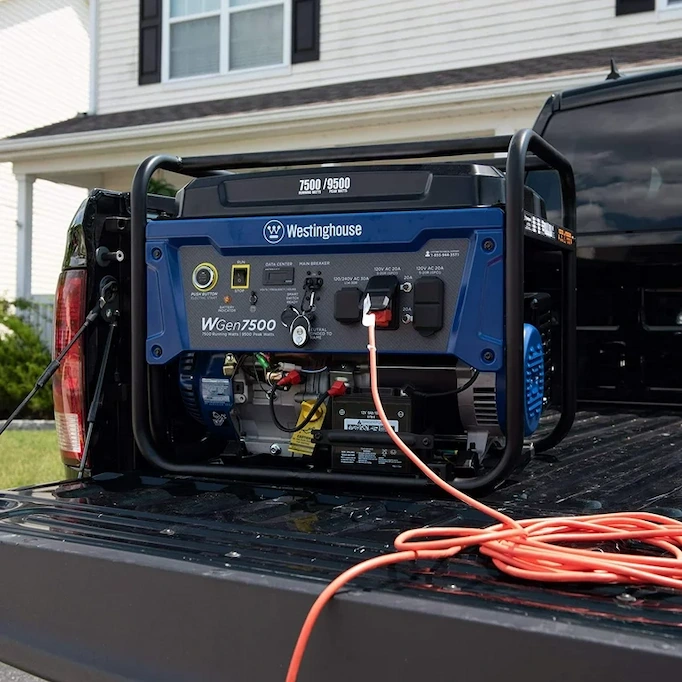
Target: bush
[(161, 186), (23, 357)]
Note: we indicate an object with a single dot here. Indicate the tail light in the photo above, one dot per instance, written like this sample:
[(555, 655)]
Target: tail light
[(68, 383)]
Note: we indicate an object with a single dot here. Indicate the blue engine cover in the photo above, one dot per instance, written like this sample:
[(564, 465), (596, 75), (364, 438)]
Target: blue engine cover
[(253, 268), (534, 382), (207, 394), (534, 377)]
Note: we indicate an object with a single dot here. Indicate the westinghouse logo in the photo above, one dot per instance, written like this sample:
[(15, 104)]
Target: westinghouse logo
[(274, 231)]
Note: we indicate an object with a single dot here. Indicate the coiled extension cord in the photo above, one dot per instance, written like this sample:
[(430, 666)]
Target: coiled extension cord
[(532, 549)]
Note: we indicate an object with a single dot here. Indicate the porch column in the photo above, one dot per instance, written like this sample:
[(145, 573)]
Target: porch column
[(24, 235), (505, 128)]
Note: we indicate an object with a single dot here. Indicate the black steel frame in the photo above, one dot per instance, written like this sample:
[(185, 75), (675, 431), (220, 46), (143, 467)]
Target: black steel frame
[(518, 148)]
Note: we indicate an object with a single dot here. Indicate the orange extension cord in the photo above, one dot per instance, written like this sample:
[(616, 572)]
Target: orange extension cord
[(527, 549)]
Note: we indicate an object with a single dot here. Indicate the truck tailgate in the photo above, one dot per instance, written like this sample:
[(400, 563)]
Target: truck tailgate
[(142, 578)]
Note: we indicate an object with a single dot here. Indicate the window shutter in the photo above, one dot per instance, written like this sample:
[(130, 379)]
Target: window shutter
[(305, 31), (150, 42), (634, 6)]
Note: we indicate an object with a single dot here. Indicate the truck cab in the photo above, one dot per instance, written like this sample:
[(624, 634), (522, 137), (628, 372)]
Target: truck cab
[(622, 139)]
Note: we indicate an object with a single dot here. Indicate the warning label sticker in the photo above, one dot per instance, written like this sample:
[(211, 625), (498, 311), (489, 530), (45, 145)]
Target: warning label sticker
[(368, 425), (372, 457), (301, 442)]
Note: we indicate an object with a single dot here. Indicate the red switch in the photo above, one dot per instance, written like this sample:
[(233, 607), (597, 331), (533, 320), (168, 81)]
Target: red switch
[(382, 318)]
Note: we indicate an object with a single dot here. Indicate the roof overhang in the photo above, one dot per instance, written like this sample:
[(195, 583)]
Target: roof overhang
[(387, 118)]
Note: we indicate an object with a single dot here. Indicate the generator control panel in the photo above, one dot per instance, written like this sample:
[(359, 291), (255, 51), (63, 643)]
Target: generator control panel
[(297, 283)]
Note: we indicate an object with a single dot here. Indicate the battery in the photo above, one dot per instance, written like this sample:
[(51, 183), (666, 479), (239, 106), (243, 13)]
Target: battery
[(357, 413)]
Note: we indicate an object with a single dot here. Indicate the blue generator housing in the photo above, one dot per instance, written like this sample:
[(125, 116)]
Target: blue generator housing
[(254, 287)]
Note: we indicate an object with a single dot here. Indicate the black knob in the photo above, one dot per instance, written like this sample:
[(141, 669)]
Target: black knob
[(287, 317), (253, 299), (300, 331)]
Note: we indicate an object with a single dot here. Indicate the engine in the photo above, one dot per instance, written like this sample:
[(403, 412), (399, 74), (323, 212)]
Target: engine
[(319, 409)]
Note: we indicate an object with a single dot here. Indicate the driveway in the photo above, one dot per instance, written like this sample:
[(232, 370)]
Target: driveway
[(8, 674)]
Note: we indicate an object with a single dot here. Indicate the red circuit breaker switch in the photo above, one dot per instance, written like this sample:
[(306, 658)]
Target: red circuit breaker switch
[(382, 318)]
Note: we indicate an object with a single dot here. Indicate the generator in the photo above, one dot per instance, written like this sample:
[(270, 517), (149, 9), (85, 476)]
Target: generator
[(248, 342)]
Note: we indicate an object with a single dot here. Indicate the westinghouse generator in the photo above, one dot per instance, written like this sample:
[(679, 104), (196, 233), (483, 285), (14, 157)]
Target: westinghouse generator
[(249, 356)]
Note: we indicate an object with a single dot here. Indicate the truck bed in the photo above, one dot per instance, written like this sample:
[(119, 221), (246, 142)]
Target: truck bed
[(178, 579)]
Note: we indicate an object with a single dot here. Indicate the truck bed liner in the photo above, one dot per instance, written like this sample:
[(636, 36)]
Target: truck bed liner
[(239, 531)]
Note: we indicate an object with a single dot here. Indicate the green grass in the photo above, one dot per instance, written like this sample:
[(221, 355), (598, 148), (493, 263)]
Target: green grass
[(28, 457)]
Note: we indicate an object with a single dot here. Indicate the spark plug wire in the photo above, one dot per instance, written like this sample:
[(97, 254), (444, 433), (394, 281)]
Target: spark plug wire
[(528, 549)]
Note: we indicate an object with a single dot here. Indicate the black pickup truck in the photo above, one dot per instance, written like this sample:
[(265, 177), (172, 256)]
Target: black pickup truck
[(135, 573)]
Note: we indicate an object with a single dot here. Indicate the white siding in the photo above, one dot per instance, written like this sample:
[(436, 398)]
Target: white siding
[(44, 52), (53, 208), (363, 39)]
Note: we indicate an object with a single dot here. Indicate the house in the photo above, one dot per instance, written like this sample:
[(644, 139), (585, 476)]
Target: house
[(44, 58), (192, 77)]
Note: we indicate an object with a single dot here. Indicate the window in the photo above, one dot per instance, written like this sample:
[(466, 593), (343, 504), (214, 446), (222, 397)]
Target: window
[(627, 159), (624, 7), (223, 36)]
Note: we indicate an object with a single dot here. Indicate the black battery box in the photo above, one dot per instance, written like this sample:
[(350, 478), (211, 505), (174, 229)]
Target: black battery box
[(357, 414)]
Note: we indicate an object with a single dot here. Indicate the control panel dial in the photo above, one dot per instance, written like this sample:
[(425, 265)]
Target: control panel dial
[(300, 331)]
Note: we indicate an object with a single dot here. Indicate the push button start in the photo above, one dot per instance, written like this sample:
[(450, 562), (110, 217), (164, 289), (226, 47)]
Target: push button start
[(204, 277)]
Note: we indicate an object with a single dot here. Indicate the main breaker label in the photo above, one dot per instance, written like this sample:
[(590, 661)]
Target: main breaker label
[(368, 425)]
